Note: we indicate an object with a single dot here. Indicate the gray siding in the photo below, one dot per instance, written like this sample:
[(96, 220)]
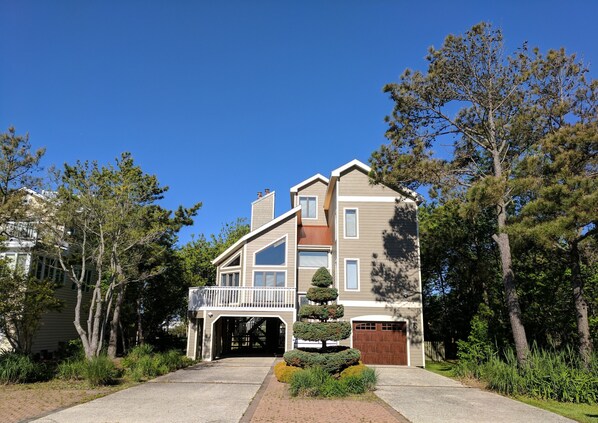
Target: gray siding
[(356, 182)]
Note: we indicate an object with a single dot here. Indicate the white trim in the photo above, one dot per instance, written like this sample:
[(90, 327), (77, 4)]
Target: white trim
[(318, 251), (222, 266), (353, 163), (270, 269), (245, 265), (373, 199), (286, 253), (383, 318), (263, 198), (256, 232), (337, 276), (308, 196), (228, 272), (345, 223), (358, 278), (380, 304), (419, 270), (304, 247), (317, 176)]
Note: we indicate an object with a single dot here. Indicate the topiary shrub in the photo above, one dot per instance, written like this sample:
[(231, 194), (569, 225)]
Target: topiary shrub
[(321, 328), (284, 372)]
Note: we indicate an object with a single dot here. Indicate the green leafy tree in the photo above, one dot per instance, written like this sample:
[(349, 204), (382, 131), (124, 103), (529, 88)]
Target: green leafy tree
[(24, 300), (491, 109), (197, 255), (108, 218), (559, 185)]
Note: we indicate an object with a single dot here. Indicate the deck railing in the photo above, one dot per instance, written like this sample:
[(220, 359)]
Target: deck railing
[(238, 297)]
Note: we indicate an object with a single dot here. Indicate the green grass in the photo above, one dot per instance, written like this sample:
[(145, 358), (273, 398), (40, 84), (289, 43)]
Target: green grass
[(443, 368), (584, 413)]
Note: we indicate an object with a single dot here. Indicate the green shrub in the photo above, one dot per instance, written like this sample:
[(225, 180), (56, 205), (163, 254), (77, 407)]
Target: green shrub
[(333, 360), (100, 371), (317, 331), (329, 311), (322, 278), (19, 368), (355, 370), (284, 372), (142, 363), (321, 295), (477, 349), (72, 369), (316, 382)]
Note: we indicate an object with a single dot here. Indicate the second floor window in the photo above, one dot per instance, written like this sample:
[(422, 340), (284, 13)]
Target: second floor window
[(351, 230), (229, 279), (309, 207), (272, 255)]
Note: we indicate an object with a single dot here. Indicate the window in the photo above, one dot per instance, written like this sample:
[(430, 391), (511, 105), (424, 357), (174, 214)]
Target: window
[(351, 223), (365, 326), (352, 274), (309, 207), (234, 262), (394, 327), (315, 259), (229, 279), (269, 279), (272, 255)]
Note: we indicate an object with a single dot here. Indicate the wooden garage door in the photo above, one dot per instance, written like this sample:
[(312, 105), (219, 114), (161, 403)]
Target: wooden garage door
[(381, 342)]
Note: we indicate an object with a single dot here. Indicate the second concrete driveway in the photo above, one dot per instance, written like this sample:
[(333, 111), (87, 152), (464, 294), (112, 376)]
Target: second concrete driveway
[(425, 397), (209, 392)]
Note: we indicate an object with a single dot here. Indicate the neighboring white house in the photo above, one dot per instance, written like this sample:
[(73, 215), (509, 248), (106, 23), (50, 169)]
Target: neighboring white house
[(21, 249), (366, 235)]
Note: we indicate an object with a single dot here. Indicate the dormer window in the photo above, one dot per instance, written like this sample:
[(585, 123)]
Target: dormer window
[(309, 207)]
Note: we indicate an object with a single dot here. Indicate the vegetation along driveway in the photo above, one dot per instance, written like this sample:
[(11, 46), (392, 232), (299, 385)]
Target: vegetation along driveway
[(425, 397), (209, 392)]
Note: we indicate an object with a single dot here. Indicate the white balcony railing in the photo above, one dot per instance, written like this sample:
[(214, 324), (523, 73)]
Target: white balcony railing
[(238, 297)]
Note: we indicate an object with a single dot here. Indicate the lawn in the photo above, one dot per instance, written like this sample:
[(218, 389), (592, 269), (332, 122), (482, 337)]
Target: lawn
[(584, 413)]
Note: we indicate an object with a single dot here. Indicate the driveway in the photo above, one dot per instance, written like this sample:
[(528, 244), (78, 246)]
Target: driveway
[(425, 397), (209, 392)]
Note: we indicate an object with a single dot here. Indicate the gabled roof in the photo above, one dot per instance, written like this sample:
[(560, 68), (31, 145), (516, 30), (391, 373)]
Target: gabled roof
[(256, 232), (336, 173), (316, 177)]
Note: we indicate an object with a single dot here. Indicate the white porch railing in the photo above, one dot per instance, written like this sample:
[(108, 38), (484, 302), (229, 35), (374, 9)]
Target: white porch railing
[(239, 297)]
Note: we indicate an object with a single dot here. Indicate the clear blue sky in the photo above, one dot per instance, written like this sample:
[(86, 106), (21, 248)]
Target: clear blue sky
[(221, 99)]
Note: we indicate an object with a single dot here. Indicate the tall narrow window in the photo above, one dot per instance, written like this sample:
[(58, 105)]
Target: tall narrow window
[(309, 206), (351, 274), (351, 223)]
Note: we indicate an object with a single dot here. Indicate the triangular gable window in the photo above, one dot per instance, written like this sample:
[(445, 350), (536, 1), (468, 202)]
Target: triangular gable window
[(234, 262), (272, 255)]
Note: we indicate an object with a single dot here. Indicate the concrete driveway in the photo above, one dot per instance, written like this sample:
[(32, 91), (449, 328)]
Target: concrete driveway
[(425, 397), (209, 392)]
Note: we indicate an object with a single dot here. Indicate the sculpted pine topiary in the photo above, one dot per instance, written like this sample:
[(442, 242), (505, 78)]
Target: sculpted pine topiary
[(319, 323)]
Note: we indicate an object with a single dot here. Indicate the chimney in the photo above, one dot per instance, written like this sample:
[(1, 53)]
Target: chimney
[(262, 209), (266, 191)]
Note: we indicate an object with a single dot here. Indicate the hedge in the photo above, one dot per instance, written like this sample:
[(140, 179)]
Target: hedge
[(284, 372), (329, 331)]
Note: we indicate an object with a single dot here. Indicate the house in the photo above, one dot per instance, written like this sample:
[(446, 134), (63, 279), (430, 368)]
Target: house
[(366, 235), (22, 249)]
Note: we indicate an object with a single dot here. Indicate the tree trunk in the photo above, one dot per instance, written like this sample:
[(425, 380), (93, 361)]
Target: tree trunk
[(112, 343), (581, 306), (508, 276), (140, 337)]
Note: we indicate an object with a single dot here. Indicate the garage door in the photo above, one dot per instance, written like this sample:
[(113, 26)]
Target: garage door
[(381, 342)]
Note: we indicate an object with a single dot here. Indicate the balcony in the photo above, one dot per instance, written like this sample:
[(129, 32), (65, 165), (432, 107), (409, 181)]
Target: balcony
[(238, 298)]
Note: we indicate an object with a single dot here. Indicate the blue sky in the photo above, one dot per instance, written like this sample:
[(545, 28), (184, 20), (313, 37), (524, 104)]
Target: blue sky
[(221, 99)]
